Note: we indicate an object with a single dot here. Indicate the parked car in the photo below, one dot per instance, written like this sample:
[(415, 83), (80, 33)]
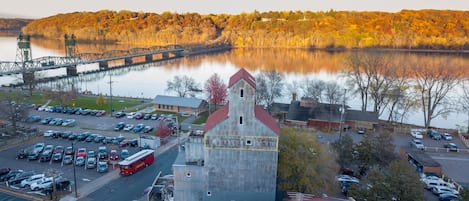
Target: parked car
[(83, 136), (417, 144), (32, 179), (138, 128), (46, 120), (416, 134), (68, 122), (4, 171), (101, 113), (107, 140), (68, 159), (33, 118), (20, 177), (43, 183), (66, 134), (102, 153), (447, 136), (33, 156), (125, 153), (102, 166), (451, 146), (113, 155), (448, 197), (138, 116), (128, 127), (154, 116), (147, 129), (80, 161), (22, 153), (81, 152), (91, 154), (49, 133), (361, 130), (434, 135), (346, 178), (437, 190), (99, 139), (90, 138), (10, 174), (147, 116), (38, 147), (133, 143), (119, 126), (45, 156), (119, 114), (57, 157), (69, 151), (91, 163), (130, 115)]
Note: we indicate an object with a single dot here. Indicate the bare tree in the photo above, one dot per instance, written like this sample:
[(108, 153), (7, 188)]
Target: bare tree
[(184, 86), (13, 109), (333, 94), (433, 81), (464, 100), (313, 88), (358, 77), (269, 86)]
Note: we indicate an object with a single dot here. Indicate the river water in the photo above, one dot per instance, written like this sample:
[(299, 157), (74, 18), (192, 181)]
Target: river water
[(149, 80)]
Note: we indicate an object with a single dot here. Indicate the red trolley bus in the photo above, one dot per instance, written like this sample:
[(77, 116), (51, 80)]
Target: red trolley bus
[(137, 161)]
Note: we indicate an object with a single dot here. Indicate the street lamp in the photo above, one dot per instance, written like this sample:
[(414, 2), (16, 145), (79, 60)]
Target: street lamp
[(74, 172)]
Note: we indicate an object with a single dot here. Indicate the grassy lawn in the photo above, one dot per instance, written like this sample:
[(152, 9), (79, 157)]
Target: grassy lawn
[(202, 119)]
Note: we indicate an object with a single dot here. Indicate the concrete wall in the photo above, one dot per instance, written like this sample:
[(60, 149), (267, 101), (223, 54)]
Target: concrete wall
[(189, 183), (194, 149), (241, 158)]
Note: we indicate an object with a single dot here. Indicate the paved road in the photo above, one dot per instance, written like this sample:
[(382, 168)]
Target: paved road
[(9, 197), (132, 187)]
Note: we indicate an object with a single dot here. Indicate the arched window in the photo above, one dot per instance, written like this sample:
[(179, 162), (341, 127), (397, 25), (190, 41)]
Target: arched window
[(241, 93), (240, 119)]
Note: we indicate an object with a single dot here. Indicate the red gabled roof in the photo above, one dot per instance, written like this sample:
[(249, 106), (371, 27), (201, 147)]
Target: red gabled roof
[(242, 74), (265, 118), (260, 114), (216, 117)]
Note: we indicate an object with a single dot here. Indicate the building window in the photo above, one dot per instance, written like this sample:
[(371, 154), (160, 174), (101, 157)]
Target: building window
[(159, 106), (241, 120), (209, 193), (188, 174), (249, 142), (241, 93)]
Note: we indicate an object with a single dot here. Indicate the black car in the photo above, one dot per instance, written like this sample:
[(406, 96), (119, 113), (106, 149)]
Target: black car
[(10, 174), (73, 136), (65, 134), (33, 155), (23, 153), (46, 156), (147, 116), (83, 136), (20, 177), (61, 184), (133, 143), (119, 126), (90, 138), (119, 114)]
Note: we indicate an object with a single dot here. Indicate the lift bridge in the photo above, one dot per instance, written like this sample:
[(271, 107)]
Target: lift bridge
[(26, 66)]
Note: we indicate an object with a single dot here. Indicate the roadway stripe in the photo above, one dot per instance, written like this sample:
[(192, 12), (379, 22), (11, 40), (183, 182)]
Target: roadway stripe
[(449, 158)]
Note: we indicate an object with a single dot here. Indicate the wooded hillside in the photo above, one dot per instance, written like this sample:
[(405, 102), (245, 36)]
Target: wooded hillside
[(13, 24), (430, 29)]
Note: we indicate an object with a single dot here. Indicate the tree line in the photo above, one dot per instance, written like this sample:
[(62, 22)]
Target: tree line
[(410, 29), (15, 24)]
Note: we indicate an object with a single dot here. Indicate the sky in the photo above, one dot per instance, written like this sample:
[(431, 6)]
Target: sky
[(44, 8)]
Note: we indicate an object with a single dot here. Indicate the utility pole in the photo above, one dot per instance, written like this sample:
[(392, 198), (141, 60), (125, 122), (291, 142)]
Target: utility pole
[(74, 173), (110, 94), (342, 115)]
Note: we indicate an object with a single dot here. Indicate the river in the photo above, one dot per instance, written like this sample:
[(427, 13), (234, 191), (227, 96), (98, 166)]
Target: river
[(149, 80)]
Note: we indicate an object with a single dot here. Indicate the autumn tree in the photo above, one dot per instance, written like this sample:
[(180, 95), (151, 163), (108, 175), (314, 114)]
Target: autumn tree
[(398, 181), (304, 165), (269, 86), (433, 81), (216, 90), (100, 100), (163, 130), (184, 86)]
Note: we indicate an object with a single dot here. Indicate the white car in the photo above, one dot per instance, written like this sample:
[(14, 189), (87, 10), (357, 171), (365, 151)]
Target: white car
[(447, 136), (41, 184), (347, 178), (33, 179), (130, 115), (417, 144), (49, 133), (128, 127), (416, 134), (437, 190), (69, 122)]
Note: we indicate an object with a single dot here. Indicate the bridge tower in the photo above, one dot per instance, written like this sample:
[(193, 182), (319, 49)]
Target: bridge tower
[(70, 52), (23, 51), (24, 56)]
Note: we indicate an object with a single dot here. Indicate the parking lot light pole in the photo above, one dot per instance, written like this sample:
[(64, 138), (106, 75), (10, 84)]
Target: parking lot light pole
[(74, 172)]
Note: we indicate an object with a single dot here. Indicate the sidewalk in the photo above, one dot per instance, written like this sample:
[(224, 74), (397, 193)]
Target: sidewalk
[(98, 183)]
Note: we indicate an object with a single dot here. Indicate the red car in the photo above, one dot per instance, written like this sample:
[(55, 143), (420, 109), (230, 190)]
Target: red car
[(81, 152), (69, 151), (114, 155), (101, 113)]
